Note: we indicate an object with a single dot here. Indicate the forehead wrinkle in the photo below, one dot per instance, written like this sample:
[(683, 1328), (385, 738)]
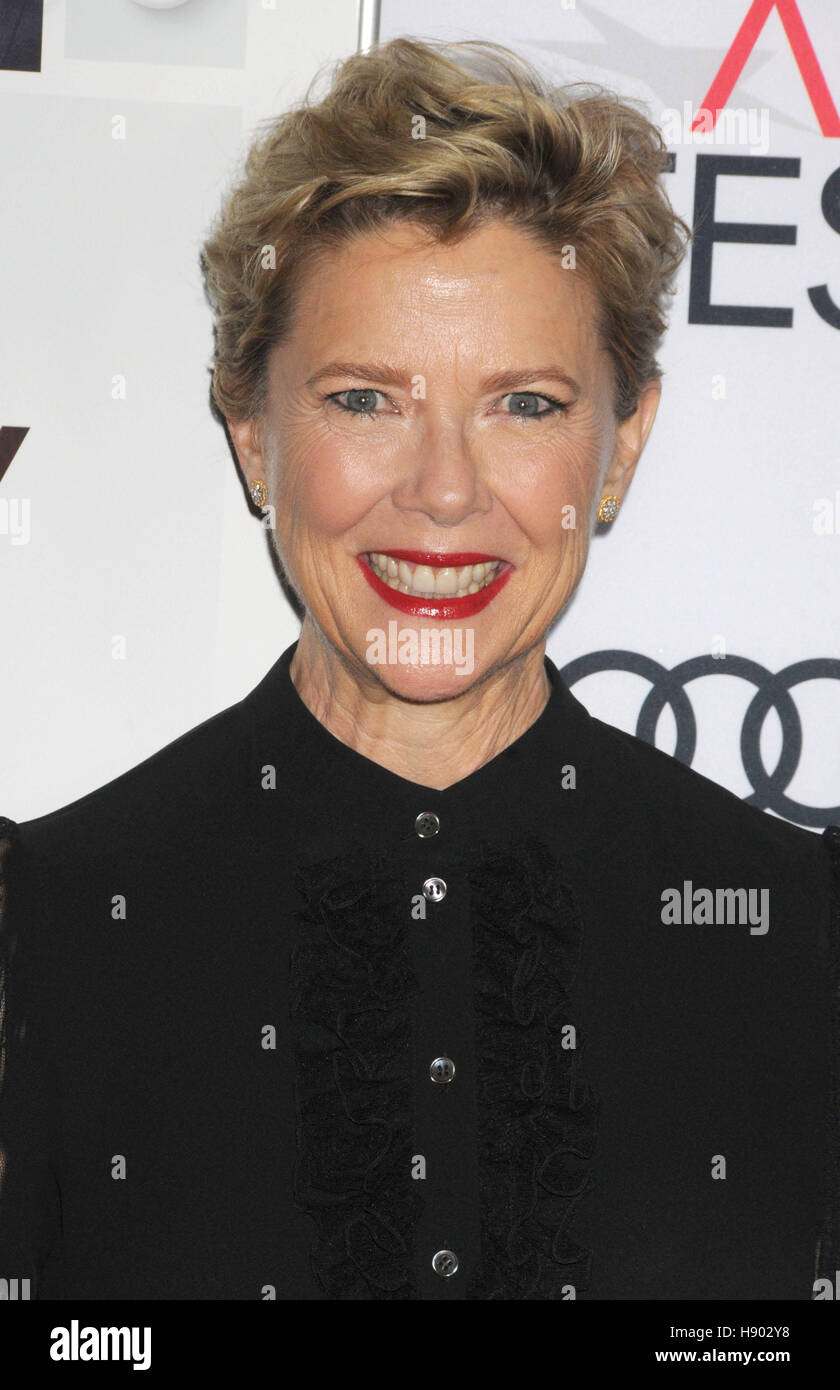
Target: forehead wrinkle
[(424, 290)]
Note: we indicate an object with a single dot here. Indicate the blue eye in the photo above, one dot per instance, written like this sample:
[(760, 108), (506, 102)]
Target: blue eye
[(530, 398), (361, 401), (367, 393)]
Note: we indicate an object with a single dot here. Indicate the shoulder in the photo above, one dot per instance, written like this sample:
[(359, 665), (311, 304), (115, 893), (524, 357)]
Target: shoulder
[(672, 801), (185, 789), (151, 835), (660, 826)]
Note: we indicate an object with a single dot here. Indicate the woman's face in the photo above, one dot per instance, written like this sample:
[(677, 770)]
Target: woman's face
[(435, 410)]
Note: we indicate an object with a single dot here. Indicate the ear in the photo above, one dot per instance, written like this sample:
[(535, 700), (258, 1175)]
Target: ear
[(630, 439), (247, 439)]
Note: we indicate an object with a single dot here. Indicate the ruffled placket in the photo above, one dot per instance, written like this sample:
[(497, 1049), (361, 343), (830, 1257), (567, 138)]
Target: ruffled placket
[(352, 990), (538, 1114)]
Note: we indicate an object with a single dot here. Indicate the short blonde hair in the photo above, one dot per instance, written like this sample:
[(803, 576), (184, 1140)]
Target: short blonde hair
[(573, 166)]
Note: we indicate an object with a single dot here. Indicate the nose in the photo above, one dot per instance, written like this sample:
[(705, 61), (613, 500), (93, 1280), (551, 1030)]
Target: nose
[(441, 475)]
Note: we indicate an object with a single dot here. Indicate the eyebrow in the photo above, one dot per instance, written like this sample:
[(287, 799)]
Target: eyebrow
[(390, 376)]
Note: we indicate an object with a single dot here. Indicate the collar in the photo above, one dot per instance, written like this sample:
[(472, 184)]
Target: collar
[(557, 774)]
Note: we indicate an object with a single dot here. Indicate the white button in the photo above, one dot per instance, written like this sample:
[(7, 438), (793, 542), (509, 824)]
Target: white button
[(434, 889)]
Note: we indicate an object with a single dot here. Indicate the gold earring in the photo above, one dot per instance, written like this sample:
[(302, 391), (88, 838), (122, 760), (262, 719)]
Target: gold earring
[(608, 508), (258, 493)]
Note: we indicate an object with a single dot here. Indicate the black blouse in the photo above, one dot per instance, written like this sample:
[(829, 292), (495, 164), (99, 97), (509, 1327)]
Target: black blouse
[(280, 1023)]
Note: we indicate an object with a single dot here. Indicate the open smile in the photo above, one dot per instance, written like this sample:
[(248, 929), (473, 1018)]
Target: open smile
[(432, 584)]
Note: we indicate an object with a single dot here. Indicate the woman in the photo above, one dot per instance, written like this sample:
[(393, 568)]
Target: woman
[(404, 977)]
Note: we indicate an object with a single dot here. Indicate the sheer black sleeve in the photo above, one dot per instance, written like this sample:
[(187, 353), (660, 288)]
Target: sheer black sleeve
[(828, 1259), (30, 1206)]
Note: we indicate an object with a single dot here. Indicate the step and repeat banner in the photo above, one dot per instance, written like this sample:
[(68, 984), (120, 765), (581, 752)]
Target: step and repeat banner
[(138, 593)]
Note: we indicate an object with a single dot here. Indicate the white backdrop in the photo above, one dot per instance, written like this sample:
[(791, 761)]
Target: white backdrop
[(122, 524)]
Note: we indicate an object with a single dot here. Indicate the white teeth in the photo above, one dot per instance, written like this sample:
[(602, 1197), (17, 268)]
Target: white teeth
[(423, 580), (427, 581)]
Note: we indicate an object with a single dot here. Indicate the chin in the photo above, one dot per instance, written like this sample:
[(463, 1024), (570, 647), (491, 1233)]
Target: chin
[(422, 662), (426, 684)]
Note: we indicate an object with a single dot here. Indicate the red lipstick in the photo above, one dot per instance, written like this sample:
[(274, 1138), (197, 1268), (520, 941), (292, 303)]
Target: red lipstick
[(447, 607), (440, 557)]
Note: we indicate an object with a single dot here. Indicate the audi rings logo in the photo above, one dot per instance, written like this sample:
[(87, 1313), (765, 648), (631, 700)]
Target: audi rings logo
[(772, 692)]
